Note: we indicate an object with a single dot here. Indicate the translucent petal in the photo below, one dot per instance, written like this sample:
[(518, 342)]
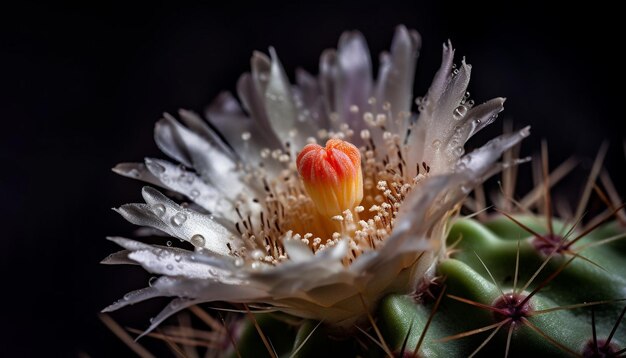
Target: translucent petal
[(200, 127), (477, 163), (309, 92), (281, 110), (354, 80), (397, 70)]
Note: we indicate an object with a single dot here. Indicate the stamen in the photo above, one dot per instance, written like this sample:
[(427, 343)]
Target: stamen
[(332, 176)]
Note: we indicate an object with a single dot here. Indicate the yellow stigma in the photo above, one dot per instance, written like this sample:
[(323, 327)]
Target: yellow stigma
[(332, 176)]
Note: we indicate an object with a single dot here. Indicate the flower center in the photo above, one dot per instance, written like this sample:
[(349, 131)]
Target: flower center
[(329, 193), (332, 176)]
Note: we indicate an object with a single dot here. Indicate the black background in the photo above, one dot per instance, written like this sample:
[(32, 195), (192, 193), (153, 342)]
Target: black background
[(83, 86)]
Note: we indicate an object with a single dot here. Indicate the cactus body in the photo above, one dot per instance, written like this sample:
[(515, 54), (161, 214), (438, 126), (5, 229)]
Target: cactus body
[(594, 281)]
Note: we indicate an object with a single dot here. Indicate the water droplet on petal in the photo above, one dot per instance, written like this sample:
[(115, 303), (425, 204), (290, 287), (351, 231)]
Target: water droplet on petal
[(436, 143), (179, 219), (459, 151), (239, 262), (186, 178), (459, 112), (168, 243), (178, 258), (257, 254), (169, 267), (159, 209), (134, 173), (152, 280), (197, 240), (194, 193)]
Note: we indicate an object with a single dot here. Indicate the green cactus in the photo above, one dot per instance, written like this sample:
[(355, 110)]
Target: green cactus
[(501, 290), (557, 318)]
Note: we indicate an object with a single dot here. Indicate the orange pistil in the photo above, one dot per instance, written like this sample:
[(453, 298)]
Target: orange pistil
[(332, 176)]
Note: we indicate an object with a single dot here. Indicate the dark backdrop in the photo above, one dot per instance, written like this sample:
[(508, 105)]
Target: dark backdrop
[(83, 86)]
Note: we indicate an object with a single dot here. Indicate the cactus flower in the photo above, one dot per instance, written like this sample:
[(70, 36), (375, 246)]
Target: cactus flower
[(314, 199)]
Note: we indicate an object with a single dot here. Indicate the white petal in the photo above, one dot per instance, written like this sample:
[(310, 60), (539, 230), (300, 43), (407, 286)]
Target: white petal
[(133, 297), (170, 142), (328, 79), (281, 110), (165, 215), (173, 177), (354, 85), (136, 171), (118, 258), (176, 305), (173, 263), (477, 164), (440, 81), (298, 251), (211, 163), (397, 71), (310, 94), (200, 127)]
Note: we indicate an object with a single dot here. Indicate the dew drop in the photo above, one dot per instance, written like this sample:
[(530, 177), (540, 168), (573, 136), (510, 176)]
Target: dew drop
[(177, 258), (186, 178), (159, 209), (436, 144), (168, 243), (246, 136), (134, 173), (459, 112), (169, 267), (459, 151), (152, 280), (257, 254), (197, 240), (194, 193), (239, 262), (179, 219)]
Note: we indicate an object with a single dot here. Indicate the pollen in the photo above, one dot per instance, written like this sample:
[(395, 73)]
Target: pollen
[(332, 176)]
